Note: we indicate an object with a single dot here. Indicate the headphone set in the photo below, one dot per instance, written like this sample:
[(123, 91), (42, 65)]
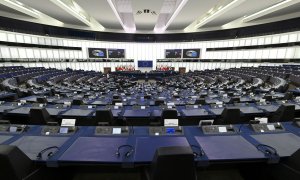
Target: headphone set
[(268, 150), (40, 154), (128, 153), (200, 152)]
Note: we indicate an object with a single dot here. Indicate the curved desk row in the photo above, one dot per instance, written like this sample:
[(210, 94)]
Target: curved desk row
[(98, 145)]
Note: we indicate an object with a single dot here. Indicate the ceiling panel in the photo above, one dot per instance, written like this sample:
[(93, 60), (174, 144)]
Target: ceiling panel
[(52, 10), (247, 8), (146, 21), (101, 11), (190, 12)]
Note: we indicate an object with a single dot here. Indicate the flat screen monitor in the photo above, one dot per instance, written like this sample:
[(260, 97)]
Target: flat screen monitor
[(116, 53), (191, 53), (173, 53), (145, 64), (97, 53)]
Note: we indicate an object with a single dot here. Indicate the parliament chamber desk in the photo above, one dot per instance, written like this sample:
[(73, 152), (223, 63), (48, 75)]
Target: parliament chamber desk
[(97, 145), (138, 114)]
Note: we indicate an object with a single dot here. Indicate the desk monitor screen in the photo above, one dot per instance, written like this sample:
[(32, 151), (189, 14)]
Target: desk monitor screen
[(117, 130), (119, 104), (219, 102), (171, 104), (170, 130), (206, 122), (13, 129), (171, 122), (222, 129), (23, 101), (63, 130), (68, 103), (263, 120), (68, 122)]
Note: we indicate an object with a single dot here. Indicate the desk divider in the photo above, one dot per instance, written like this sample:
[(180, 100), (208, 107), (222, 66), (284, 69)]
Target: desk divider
[(271, 158), (53, 160), (16, 136), (202, 160), (128, 162)]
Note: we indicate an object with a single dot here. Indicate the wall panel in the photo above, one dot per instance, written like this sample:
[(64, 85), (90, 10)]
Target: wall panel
[(149, 51)]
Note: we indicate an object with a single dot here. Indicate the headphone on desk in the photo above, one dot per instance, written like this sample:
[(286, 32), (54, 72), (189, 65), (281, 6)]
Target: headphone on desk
[(268, 150), (128, 153), (40, 154), (200, 152)]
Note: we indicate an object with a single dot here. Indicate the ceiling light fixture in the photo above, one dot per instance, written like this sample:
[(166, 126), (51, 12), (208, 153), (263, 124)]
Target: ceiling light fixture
[(278, 6), (22, 6), (177, 10), (71, 7), (126, 28), (212, 14), (75, 12)]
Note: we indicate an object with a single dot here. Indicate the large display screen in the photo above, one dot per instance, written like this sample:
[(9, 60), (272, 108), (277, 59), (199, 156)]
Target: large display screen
[(173, 53), (191, 53), (97, 53), (145, 64), (116, 53)]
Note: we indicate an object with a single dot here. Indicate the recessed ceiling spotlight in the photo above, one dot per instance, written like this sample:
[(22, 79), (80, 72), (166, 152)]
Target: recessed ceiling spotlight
[(153, 13)]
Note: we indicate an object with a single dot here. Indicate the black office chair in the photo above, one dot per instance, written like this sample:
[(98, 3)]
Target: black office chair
[(39, 116), (288, 168), (77, 102), (200, 101), (202, 95), (176, 163), (15, 165), (147, 96), (104, 117), (286, 112), (234, 100), (42, 100), (114, 101), (116, 97), (169, 114), (288, 96), (229, 116), (176, 96), (159, 102), (230, 94), (268, 97)]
